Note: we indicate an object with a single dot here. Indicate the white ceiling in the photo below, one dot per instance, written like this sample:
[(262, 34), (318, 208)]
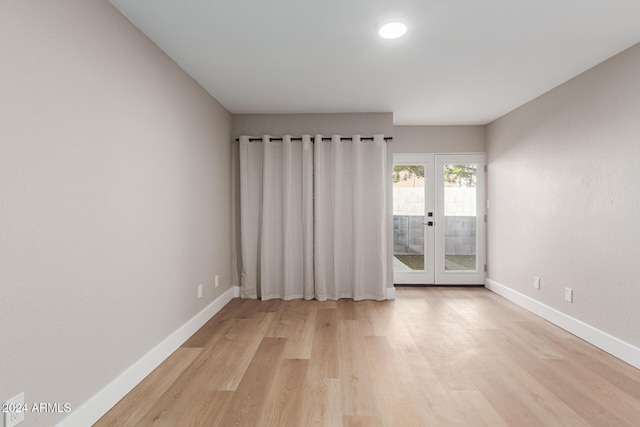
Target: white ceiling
[(462, 61)]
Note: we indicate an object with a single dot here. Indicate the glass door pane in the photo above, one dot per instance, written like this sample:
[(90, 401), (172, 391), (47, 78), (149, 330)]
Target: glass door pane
[(408, 217), (460, 182)]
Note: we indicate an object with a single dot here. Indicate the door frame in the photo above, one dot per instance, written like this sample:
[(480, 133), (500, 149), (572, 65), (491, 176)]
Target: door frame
[(434, 272)]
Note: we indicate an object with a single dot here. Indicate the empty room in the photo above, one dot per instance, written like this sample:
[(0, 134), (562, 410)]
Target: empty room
[(319, 213)]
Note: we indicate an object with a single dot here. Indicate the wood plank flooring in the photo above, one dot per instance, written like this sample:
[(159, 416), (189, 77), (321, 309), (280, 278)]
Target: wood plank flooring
[(432, 357)]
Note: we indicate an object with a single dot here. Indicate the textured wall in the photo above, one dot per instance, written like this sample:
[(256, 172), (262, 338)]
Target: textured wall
[(114, 199), (365, 124), (439, 139), (563, 185)]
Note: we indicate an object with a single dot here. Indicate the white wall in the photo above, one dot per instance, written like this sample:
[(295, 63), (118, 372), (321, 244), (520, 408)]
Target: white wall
[(563, 184), (439, 139), (114, 199), (365, 124)]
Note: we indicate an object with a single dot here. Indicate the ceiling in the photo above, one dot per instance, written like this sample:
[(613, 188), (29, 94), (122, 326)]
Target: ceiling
[(462, 61)]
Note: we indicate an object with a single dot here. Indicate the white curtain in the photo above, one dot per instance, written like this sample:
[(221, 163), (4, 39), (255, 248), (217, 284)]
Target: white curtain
[(313, 218)]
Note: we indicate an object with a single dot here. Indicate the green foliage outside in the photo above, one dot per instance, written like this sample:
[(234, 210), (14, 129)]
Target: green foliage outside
[(406, 172), (454, 175), (460, 175)]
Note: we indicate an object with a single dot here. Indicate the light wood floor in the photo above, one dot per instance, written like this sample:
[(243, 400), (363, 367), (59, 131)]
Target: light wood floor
[(432, 357)]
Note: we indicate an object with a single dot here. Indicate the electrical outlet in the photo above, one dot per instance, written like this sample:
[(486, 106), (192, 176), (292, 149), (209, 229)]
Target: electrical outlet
[(199, 291), (536, 282), (568, 294), (14, 410), (217, 281)]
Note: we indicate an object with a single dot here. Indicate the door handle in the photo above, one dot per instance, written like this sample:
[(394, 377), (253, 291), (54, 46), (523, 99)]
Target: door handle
[(430, 223)]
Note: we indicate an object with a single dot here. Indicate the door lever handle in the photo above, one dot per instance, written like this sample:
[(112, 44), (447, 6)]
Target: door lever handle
[(430, 223)]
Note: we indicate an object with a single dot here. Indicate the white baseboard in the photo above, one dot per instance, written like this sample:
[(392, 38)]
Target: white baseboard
[(391, 293), (236, 291), (105, 399), (612, 345)]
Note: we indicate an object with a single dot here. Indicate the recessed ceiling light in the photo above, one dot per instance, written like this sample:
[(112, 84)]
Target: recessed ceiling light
[(392, 30)]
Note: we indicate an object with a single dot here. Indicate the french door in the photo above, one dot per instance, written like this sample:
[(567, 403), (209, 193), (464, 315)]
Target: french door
[(439, 219)]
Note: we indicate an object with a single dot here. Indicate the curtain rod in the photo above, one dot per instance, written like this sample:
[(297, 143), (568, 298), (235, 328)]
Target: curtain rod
[(342, 138)]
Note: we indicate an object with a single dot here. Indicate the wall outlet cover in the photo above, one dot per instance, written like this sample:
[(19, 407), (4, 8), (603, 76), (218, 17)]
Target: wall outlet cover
[(199, 291), (536, 282), (568, 294)]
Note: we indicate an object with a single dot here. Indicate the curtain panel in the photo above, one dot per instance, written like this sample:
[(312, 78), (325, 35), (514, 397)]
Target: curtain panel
[(313, 218)]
